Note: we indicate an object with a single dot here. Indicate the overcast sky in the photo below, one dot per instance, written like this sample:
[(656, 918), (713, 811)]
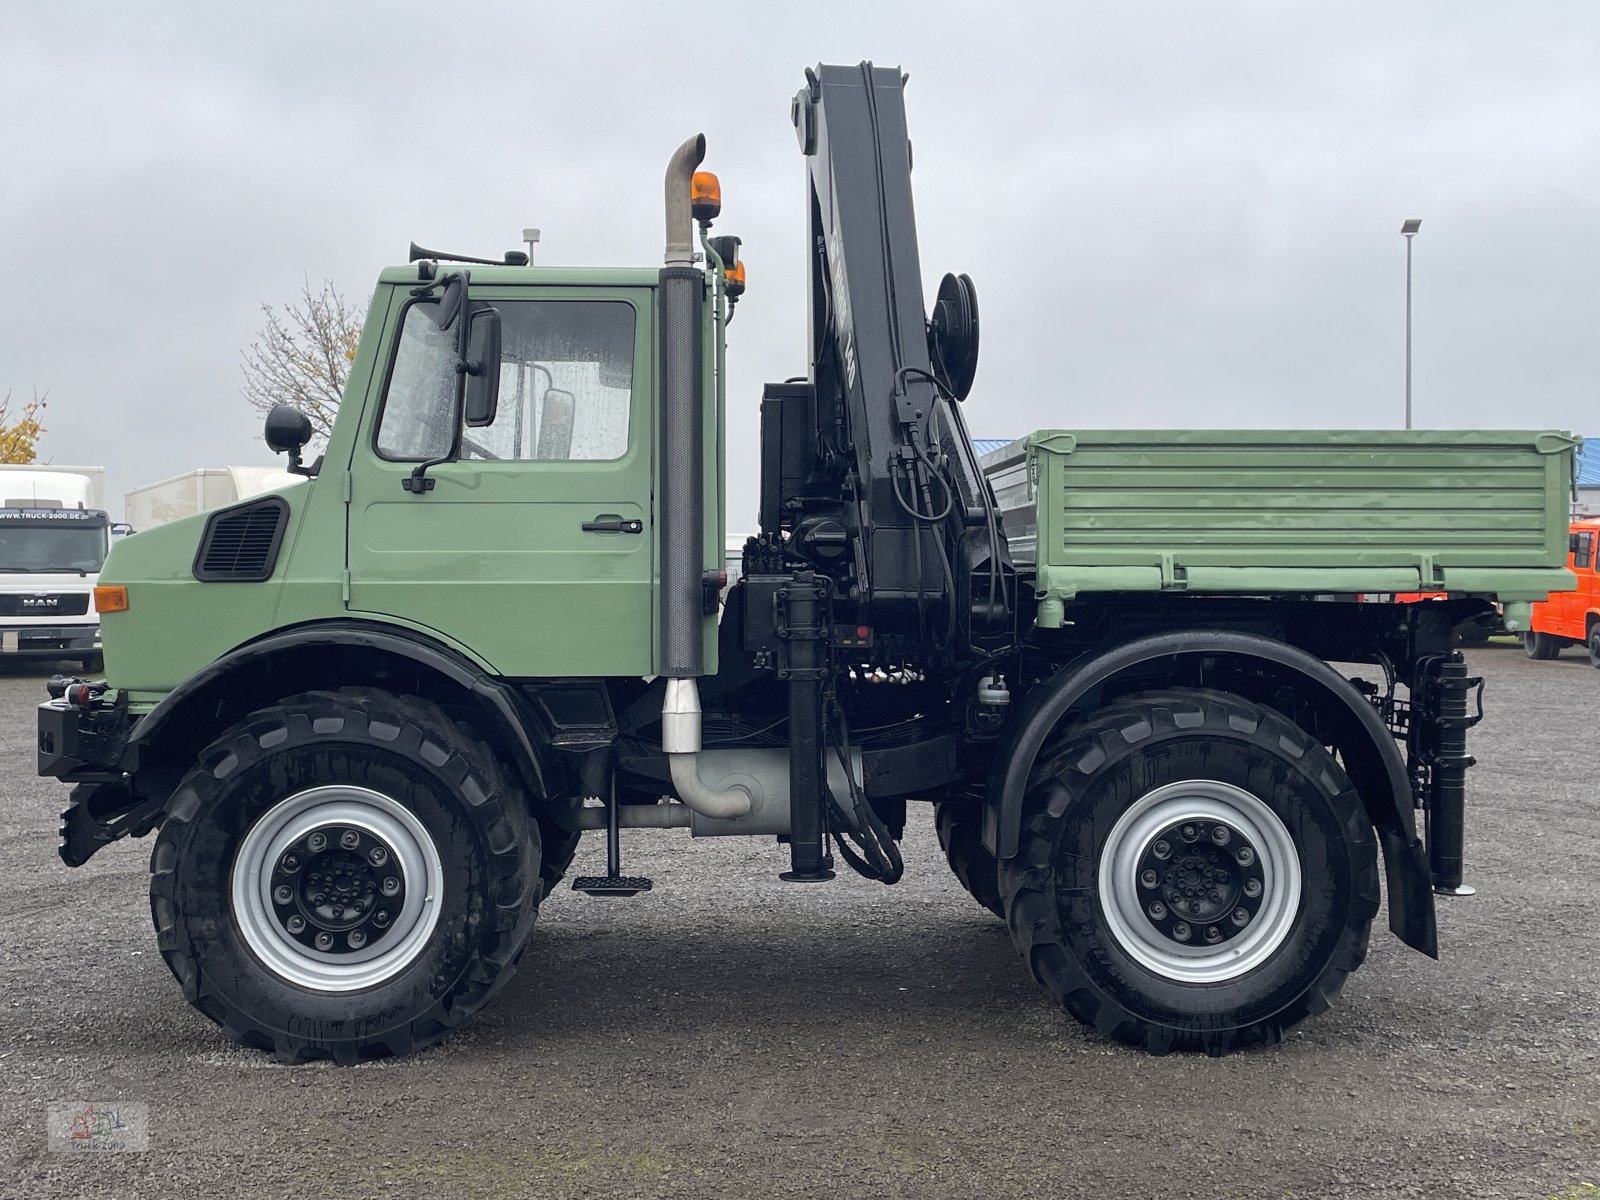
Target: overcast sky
[(1176, 214)]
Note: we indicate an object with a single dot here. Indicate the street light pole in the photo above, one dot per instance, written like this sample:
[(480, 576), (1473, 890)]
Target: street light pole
[(1409, 230)]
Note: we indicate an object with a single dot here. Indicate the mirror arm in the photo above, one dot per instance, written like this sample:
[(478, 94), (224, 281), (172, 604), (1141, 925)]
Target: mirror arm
[(418, 482), (310, 472)]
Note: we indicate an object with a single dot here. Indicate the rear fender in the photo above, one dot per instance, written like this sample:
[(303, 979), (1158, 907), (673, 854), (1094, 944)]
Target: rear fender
[(1369, 752)]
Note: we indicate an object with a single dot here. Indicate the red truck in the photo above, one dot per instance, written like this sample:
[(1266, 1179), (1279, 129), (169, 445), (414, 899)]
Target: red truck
[(1570, 618)]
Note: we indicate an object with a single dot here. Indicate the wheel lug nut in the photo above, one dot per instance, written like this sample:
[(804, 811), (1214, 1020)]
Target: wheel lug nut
[(317, 842), (324, 941), (297, 924), (1181, 931), (357, 939), (1252, 888), (1241, 917), (349, 839), (1149, 879), (290, 863), (1213, 934), (391, 885), (1190, 833), (320, 898), (338, 911), (382, 917), (1162, 849), (1158, 910), (1245, 855), (282, 893), (378, 855), (1220, 834)]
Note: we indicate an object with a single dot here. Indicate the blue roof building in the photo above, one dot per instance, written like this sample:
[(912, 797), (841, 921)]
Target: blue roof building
[(986, 445), (1589, 463)]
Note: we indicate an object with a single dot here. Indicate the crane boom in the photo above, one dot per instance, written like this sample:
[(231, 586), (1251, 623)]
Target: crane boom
[(867, 464)]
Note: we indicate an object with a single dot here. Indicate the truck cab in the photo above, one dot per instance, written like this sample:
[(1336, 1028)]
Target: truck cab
[(1571, 618), (54, 535)]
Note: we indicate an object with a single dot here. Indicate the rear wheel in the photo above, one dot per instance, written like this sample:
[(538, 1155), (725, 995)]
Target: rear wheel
[(1540, 646), (346, 875), (960, 829), (1594, 645), (1194, 872), (92, 664)]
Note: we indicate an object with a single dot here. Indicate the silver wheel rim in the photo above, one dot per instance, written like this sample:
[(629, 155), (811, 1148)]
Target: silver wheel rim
[(1208, 803), (370, 814)]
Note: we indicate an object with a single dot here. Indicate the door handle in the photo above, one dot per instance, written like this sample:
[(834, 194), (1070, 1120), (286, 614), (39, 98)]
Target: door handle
[(613, 525)]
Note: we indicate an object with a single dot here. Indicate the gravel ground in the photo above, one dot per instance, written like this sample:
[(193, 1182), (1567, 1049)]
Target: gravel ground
[(731, 1035)]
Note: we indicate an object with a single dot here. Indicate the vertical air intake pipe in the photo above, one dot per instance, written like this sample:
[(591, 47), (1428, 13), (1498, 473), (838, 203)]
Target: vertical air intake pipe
[(682, 492), (682, 496)]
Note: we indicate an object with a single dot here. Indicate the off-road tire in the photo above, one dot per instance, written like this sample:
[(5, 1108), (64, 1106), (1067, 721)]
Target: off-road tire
[(408, 751), (1099, 768), (1541, 647), (560, 847), (960, 829)]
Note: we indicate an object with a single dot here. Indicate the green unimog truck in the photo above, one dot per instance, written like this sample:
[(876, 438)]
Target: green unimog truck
[(369, 716)]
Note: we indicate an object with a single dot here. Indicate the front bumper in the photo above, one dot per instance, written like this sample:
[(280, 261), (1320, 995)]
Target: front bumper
[(49, 641), (88, 745)]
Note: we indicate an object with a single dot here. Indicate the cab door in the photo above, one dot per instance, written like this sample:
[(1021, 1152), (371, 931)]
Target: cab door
[(534, 544), (1574, 606)]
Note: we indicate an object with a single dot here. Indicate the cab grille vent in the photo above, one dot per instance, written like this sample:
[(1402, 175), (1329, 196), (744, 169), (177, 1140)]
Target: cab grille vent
[(241, 543)]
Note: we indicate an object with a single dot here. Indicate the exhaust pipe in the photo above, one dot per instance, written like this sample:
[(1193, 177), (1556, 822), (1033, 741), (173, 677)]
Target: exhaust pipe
[(680, 739), (682, 492), (680, 220)]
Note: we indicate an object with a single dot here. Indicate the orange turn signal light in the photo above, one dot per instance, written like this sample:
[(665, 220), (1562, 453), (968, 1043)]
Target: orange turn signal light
[(705, 196), (734, 274), (110, 599)]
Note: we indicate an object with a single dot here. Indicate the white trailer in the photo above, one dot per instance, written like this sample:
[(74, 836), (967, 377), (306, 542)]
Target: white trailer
[(196, 491), (54, 533)]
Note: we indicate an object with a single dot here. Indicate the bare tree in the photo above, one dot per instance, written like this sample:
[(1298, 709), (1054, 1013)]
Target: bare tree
[(302, 355)]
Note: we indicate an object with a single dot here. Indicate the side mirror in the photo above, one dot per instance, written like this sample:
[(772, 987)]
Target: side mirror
[(121, 529), (451, 300), (287, 430), (482, 367)]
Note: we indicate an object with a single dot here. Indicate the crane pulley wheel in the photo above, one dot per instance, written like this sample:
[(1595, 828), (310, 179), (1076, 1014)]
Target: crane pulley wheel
[(953, 334)]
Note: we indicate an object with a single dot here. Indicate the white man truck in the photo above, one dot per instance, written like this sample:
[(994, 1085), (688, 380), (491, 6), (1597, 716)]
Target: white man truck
[(54, 533)]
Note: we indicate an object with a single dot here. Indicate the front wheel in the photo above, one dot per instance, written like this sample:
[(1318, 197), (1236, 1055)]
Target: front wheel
[(346, 874), (1594, 645), (1194, 872)]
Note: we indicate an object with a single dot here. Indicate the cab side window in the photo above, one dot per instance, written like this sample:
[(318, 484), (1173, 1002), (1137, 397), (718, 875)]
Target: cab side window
[(420, 399), (1583, 552), (566, 383)]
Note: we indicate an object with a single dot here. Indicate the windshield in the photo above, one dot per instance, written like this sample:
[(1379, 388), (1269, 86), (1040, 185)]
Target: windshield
[(41, 549)]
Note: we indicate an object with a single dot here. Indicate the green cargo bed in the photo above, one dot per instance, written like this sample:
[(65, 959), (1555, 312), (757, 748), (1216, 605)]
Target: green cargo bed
[(1274, 512)]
